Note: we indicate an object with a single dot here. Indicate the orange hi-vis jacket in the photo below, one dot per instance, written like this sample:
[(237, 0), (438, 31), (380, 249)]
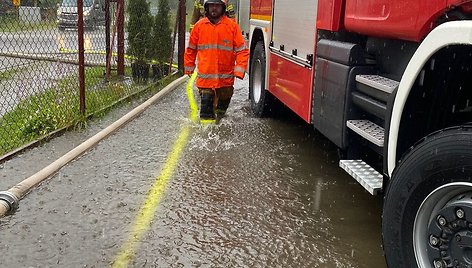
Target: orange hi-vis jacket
[(220, 51)]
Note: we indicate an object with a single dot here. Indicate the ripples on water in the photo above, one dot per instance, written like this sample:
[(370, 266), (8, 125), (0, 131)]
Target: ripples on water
[(247, 192), (243, 197)]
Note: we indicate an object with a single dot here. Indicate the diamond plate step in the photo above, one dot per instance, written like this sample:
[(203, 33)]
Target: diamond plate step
[(368, 130), (368, 177), (379, 82)]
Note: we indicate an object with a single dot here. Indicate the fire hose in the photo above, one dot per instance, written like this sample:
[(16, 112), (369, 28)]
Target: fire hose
[(9, 199)]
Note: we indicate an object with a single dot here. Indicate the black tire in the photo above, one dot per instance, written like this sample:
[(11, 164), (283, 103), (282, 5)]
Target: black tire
[(261, 99), (429, 183)]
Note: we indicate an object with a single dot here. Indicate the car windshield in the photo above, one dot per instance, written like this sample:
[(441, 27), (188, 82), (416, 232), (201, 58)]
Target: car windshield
[(73, 3)]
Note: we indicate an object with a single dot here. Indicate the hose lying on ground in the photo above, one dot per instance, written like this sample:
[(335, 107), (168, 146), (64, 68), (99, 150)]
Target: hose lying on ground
[(9, 199)]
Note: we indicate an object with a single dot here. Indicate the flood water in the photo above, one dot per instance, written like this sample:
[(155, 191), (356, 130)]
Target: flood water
[(247, 192)]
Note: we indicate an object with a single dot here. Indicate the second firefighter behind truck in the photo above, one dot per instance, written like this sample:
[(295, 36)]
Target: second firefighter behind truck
[(218, 46)]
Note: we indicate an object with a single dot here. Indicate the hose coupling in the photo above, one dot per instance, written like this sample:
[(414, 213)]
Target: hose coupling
[(10, 199)]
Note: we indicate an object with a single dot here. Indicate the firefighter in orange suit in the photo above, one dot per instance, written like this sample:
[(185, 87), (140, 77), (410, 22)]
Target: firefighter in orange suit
[(199, 12), (218, 46)]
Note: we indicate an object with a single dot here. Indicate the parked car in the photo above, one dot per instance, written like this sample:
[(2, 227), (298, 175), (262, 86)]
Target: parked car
[(6, 7), (94, 13)]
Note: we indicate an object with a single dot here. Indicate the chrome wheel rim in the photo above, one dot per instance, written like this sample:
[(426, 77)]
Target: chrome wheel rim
[(442, 220), (257, 81)]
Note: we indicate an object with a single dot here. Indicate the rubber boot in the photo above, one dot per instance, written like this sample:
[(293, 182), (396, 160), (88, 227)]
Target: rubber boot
[(206, 106), (221, 107)]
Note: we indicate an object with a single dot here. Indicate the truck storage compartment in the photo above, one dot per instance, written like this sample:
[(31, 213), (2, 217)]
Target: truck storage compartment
[(337, 64)]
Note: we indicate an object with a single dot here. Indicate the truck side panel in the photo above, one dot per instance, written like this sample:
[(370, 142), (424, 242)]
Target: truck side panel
[(292, 52), (330, 15), (261, 9), (260, 23), (291, 84), (404, 19)]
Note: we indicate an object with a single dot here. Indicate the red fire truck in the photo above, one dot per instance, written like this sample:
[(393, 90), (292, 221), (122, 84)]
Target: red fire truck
[(390, 83)]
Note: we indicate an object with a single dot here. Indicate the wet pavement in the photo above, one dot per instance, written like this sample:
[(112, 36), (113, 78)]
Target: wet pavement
[(246, 192)]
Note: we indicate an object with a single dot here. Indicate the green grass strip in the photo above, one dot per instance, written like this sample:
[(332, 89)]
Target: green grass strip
[(58, 107)]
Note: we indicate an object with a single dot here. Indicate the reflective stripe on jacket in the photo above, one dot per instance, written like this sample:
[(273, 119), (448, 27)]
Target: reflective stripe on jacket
[(220, 51)]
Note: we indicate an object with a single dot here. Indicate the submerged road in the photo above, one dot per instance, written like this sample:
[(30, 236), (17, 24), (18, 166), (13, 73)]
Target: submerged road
[(246, 192)]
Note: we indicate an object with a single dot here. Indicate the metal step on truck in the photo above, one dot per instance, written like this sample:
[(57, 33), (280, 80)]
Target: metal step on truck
[(390, 83)]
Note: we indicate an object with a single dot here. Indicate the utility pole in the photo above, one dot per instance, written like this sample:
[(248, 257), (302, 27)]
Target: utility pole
[(182, 23)]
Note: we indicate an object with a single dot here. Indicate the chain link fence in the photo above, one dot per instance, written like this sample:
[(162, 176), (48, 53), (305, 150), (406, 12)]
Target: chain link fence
[(40, 74)]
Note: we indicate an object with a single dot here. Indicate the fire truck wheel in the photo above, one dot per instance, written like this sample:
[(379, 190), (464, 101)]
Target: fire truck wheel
[(259, 96), (427, 213)]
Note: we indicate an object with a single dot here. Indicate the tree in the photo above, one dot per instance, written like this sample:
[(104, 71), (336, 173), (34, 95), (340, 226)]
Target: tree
[(162, 35), (139, 36)]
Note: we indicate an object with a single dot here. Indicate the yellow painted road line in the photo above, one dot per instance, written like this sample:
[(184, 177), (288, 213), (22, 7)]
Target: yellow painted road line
[(148, 209)]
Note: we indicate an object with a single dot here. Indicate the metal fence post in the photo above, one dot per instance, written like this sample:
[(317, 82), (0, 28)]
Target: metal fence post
[(121, 37), (182, 22), (171, 60), (107, 29), (80, 33)]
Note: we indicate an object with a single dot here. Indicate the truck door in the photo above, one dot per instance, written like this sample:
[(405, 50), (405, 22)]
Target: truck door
[(291, 54)]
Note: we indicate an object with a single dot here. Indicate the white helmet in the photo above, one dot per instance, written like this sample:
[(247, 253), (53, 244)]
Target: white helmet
[(221, 2)]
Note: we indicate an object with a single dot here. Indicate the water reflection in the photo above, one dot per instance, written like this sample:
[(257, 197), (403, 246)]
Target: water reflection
[(67, 41), (248, 192), (317, 195), (263, 193)]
